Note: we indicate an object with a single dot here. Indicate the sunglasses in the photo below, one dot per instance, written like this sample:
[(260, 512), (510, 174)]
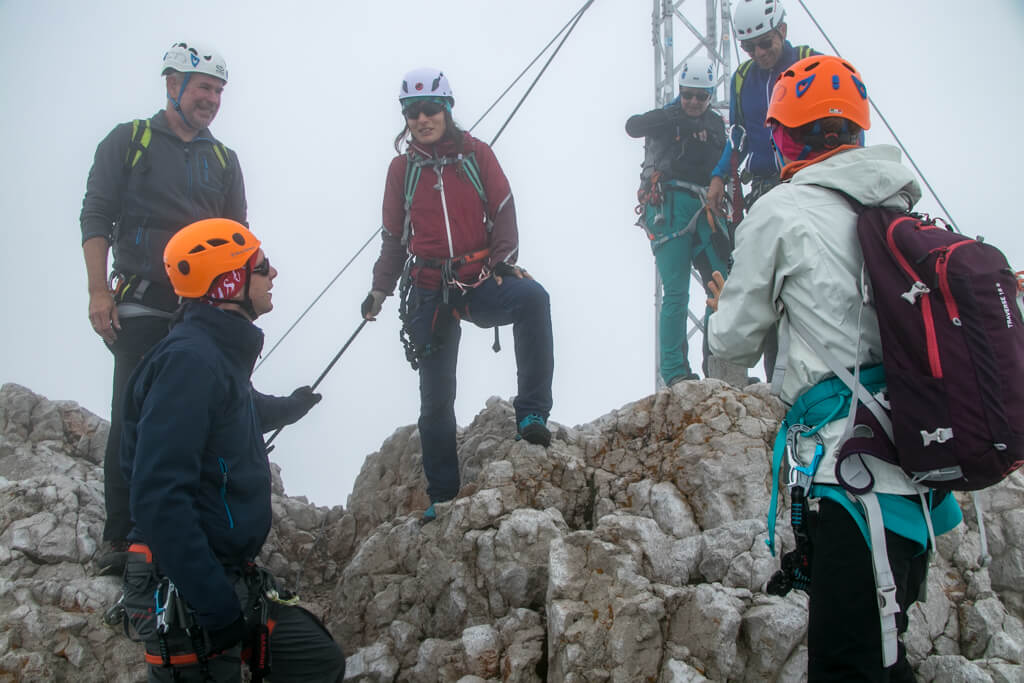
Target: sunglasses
[(749, 46), (414, 110), (695, 95), (262, 268)]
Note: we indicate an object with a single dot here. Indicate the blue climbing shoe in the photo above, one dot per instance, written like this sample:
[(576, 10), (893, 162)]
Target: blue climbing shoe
[(533, 428), (429, 515)]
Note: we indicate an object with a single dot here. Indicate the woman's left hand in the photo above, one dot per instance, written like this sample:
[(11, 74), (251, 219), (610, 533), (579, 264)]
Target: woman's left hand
[(502, 269)]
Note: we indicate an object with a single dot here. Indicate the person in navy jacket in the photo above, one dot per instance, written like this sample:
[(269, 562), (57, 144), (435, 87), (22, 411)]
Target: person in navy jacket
[(199, 478)]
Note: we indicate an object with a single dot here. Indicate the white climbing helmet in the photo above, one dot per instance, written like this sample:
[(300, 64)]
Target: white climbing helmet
[(754, 18), (425, 82), (194, 58), (698, 72)]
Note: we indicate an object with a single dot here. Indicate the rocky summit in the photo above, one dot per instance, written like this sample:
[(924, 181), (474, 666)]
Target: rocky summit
[(632, 549)]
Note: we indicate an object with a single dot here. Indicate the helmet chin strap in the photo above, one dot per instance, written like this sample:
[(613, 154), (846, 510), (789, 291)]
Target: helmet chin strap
[(177, 102)]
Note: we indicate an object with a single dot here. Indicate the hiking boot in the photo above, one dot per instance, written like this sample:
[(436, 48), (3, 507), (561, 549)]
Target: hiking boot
[(533, 428), (683, 378), (112, 557)]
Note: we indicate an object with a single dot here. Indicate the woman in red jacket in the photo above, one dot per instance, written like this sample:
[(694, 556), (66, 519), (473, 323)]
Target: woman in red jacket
[(450, 238)]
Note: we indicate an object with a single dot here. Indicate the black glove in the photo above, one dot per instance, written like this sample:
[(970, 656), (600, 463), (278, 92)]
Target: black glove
[(366, 306), (502, 269), (370, 308), (301, 402), (226, 638)]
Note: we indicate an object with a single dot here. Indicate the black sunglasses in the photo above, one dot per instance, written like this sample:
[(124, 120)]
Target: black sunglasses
[(765, 43), (262, 268), (414, 110), (695, 94)]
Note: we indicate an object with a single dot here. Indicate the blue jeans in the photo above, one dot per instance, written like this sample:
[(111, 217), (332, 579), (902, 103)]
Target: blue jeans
[(522, 303)]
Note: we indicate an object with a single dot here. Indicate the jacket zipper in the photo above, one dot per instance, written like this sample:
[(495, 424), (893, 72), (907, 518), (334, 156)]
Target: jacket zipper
[(931, 340), (942, 270), (224, 490), (444, 210)]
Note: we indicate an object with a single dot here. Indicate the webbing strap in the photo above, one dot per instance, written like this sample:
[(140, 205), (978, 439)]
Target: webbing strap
[(885, 584), (141, 136), (853, 384), (222, 154), (701, 193), (413, 170)]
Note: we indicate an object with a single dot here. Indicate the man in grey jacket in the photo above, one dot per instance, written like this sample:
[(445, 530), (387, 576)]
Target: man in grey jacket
[(798, 263), (149, 179)]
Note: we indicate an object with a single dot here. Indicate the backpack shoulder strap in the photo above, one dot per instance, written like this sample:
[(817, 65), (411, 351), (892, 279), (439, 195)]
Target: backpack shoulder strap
[(142, 134), (737, 87), (472, 169), (804, 51), (221, 153)]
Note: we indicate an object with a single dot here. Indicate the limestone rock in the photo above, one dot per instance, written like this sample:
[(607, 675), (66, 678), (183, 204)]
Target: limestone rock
[(632, 549)]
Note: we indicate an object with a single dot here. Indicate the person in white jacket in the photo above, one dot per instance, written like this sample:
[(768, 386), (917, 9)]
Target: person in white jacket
[(797, 261)]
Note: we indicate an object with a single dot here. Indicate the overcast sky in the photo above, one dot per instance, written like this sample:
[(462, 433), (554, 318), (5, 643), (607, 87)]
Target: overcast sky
[(311, 110)]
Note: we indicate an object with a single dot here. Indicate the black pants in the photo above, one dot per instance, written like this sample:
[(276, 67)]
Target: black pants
[(844, 639), (301, 648), (136, 337)]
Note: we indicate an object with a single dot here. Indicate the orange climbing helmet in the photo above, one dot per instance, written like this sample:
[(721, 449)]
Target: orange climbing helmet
[(819, 87), (201, 251)]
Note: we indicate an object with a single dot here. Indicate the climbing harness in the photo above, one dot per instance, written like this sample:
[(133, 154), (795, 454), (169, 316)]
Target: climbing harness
[(701, 193), (449, 281)]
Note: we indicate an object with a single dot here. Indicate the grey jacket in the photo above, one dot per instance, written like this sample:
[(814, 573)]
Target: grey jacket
[(797, 256), (137, 209)]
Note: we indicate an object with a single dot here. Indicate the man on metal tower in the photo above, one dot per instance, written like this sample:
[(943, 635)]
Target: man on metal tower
[(683, 140)]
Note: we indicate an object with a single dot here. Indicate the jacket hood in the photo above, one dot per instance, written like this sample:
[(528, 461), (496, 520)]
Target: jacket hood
[(872, 175)]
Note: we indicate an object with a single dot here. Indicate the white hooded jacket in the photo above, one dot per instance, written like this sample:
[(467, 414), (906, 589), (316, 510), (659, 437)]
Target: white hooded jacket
[(797, 256)]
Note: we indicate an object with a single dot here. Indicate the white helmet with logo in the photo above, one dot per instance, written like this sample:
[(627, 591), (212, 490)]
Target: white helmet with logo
[(698, 72), (425, 82), (754, 18), (193, 58)]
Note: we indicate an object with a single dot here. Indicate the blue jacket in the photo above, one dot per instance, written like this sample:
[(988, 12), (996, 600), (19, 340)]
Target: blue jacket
[(750, 109), (193, 452)]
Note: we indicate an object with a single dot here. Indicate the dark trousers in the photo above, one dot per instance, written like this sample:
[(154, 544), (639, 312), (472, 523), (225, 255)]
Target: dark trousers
[(844, 640), (522, 303), (301, 648), (136, 337)]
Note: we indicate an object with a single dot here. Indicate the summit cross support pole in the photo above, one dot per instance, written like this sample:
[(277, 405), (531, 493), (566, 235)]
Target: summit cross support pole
[(715, 42)]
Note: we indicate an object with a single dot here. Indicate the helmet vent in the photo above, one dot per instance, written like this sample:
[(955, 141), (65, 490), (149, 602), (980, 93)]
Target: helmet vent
[(183, 267), (196, 249), (216, 242), (238, 238)]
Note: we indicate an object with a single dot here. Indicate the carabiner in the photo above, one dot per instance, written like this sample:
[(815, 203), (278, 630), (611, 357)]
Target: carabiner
[(800, 474)]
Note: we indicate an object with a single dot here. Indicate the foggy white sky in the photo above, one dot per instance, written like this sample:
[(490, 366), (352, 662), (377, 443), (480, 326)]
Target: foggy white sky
[(311, 110)]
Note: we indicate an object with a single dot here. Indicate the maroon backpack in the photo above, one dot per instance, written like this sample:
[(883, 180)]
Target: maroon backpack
[(952, 346)]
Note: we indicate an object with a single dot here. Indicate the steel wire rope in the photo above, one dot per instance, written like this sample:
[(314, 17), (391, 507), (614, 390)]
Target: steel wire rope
[(892, 132), (574, 20)]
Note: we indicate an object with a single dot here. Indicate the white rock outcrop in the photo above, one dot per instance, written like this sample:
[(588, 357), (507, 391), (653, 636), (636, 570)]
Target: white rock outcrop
[(632, 549)]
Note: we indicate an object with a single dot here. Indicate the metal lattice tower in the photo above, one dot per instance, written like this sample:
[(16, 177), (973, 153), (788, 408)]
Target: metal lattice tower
[(667, 16)]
